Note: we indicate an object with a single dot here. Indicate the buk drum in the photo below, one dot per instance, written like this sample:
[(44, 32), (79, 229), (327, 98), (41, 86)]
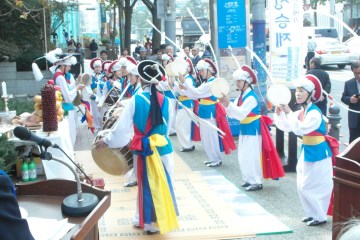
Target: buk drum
[(114, 111), (112, 96), (114, 161)]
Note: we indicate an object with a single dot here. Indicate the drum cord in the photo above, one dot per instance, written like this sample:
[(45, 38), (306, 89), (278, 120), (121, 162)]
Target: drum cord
[(86, 176)]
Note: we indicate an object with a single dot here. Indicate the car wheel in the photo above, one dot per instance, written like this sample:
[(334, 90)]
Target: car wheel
[(341, 66)]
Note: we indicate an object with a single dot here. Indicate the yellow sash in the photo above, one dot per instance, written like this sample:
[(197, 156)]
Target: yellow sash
[(313, 140), (183, 98), (207, 102), (161, 195), (248, 120)]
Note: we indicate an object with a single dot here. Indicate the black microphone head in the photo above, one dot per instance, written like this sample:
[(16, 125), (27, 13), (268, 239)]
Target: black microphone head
[(22, 133)]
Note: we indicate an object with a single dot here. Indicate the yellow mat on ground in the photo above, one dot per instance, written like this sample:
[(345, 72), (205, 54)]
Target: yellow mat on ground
[(202, 213)]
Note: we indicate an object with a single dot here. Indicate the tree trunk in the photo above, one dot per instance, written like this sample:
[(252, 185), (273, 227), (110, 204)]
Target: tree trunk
[(121, 35), (156, 37), (128, 14), (113, 36)]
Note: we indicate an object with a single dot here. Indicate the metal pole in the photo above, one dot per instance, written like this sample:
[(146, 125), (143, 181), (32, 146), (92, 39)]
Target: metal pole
[(259, 46), (45, 36), (170, 21)]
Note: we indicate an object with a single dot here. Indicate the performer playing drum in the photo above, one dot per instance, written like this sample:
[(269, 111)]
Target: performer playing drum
[(149, 113), (115, 69), (184, 125), (261, 162), (97, 86), (211, 111), (164, 86)]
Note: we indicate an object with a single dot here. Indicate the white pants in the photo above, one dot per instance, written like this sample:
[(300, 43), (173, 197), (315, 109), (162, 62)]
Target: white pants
[(168, 161), (172, 122), (72, 120), (210, 141), (97, 115), (249, 153), (183, 128), (314, 185)]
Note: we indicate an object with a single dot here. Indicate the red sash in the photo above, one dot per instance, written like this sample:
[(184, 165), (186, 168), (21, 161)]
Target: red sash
[(271, 164), (196, 130)]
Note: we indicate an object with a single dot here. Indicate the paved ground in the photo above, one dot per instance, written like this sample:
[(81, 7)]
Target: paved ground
[(280, 198)]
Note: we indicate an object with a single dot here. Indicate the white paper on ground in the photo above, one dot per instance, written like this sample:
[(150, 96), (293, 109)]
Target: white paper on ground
[(48, 229)]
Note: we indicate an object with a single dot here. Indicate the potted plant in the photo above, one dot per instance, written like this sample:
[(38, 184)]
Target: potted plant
[(8, 155)]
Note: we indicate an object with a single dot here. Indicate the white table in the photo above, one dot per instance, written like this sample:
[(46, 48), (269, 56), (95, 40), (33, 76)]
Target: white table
[(54, 169)]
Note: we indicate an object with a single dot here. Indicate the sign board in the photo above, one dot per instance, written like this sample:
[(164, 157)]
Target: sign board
[(231, 16), (286, 39)]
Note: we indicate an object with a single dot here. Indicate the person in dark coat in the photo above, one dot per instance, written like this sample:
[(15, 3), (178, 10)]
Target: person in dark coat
[(93, 48), (351, 96), (324, 78), (12, 226)]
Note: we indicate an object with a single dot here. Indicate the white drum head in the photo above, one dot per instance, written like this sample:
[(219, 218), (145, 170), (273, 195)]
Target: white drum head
[(278, 94), (178, 67), (168, 70), (219, 87), (86, 79)]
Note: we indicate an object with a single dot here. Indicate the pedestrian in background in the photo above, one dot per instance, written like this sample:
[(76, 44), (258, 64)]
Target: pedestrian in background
[(195, 52), (93, 48), (350, 97), (103, 55), (311, 46), (80, 50), (315, 64)]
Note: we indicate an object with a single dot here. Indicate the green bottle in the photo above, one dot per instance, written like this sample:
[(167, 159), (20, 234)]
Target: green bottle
[(25, 171), (32, 170)]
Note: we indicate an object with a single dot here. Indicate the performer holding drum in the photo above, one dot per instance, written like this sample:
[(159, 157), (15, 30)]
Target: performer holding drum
[(165, 87), (254, 133), (184, 124), (148, 113), (97, 86), (127, 64), (211, 111), (69, 89), (314, 167)]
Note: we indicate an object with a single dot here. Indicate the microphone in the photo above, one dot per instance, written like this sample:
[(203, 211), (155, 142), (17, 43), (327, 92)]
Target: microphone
[(25, 134)]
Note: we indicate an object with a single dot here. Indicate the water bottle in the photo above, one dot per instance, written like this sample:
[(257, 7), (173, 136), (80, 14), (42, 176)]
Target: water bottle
[(25, 171), (32, 170)]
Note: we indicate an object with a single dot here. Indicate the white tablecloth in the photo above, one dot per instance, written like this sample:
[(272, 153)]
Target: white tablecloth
[(54, 169)]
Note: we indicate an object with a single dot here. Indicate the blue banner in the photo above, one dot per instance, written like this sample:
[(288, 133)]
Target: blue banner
[(102, 12), (231, 17)]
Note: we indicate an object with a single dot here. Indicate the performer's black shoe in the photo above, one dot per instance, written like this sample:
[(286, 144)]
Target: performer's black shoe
[(187, 149), (214, 164), (245, 185), (172, 134), (151, 232), (254, 187), (131, 184), (207, 162), (315, 223), (306, 219)]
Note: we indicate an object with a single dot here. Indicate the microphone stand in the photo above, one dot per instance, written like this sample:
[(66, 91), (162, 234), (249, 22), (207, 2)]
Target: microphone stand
[(75, 205)]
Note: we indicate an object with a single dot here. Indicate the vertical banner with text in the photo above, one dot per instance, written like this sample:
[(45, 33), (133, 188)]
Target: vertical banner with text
[(231, 19), (286, 23)]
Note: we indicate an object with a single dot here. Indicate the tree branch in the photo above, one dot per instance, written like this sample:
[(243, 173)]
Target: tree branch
[(133, 4), (150, 5)]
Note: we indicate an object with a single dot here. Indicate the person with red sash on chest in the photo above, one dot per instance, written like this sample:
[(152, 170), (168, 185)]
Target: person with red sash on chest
[(127, 64), (147, 115), (210, 110), (69, 88), (115, 70), (263, 160), (165, 87), (135, 88), (184, 125), (314, 166), (97, 86)]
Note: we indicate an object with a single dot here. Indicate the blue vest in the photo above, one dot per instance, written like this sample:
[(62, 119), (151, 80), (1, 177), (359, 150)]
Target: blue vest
[(94, 84), (141, 115), (252, 128), (313, 153), (188, 102), (208, 110)]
